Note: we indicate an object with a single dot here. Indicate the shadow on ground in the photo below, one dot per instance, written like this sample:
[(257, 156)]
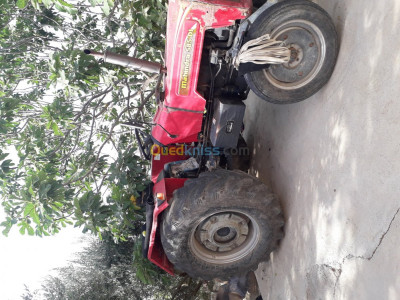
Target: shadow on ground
[(333, 160)]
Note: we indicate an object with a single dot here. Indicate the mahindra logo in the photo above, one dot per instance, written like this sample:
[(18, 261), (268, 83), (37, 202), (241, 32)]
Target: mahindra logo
[(187, 61)]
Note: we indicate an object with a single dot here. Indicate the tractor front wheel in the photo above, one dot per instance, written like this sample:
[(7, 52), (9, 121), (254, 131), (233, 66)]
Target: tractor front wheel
[(308, 31), (221, 224)]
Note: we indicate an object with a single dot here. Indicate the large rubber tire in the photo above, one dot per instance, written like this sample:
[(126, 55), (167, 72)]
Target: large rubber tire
[(218, 200), (311, 35)]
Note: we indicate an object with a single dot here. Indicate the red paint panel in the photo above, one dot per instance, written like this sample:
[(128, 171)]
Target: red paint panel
[(227, 16), (156, 253), (185, 62), (183, 124), (245, 4)]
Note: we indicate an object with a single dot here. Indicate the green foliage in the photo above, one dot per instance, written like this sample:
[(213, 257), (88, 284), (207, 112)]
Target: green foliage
[(67, 152), (67, 148), (145, 270), (104, 270)]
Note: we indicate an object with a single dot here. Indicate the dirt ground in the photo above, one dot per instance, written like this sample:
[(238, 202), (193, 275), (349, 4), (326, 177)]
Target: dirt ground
[(334, 161)]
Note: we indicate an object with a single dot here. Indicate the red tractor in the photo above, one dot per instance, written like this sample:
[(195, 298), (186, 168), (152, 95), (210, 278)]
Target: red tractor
[(204, 217)]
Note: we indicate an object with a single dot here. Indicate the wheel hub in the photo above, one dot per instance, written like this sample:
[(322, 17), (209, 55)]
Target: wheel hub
[(224, 237), (296, 56), (307, 53), (223, 232)]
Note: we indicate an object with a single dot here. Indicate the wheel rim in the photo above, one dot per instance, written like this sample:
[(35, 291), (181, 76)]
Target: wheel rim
[(224, 237), (308, 51)]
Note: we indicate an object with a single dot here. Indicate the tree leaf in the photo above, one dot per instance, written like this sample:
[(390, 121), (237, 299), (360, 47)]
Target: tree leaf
[(43, 190), (35, 4), (22, 230), (31, 191), (56, 129), (47, 3), (106, 8), (35, 216), (62, 2), (30, 230), (28, 209), (6, 230), (21, 4)]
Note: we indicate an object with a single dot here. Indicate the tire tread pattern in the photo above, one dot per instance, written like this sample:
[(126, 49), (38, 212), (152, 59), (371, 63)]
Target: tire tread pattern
[(210, 192)]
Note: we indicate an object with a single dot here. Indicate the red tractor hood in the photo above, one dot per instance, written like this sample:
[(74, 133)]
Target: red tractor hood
[(179, 117)]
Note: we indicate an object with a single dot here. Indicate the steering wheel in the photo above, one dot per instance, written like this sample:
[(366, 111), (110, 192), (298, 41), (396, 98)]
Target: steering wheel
[(144, 142)]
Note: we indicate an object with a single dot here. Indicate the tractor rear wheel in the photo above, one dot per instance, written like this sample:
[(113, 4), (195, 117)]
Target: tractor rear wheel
[(221, 224)]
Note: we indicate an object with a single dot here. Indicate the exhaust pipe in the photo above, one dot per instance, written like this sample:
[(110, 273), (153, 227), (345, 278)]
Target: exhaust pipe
[(128, 61)]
